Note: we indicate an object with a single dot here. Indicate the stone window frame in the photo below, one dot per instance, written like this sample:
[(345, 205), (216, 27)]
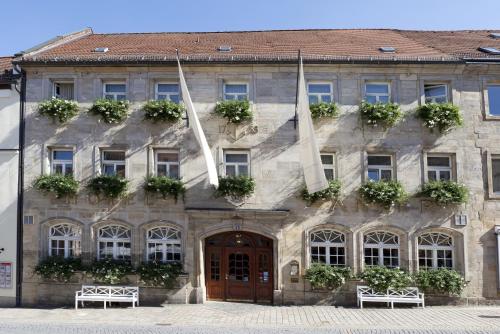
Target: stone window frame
[(66, 239), (394, 160), (425, 169), (62, 81), (50, 80), (115, 82), (97, 156), (166, 245), (47, 149), (335, 162), (459, 246), (44, 233), (450, 82), (320, 82), (145, 227), (247, 78), (168, 82), (157, 150), (404, 254), (489, 166), (435, 248), (328, 246), (392, 80), (115, 163), (381, 247), (112, 78), (349, 243), (114, 240), (321, 77), (235, 82), (248, 152), (485, 82)]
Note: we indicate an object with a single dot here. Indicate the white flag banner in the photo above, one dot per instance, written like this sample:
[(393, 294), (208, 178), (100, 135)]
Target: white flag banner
[(198, 131), (309, 151)]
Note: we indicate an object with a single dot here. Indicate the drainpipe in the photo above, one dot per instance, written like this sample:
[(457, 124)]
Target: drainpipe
[(497, 232), (20, 188)]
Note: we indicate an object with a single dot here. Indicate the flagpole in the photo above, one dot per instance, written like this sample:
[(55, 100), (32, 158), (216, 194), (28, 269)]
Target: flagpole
[(178, 61), (299, 56)]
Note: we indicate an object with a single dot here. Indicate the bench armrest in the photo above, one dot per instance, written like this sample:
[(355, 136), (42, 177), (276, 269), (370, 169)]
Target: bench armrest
[(78, 293)]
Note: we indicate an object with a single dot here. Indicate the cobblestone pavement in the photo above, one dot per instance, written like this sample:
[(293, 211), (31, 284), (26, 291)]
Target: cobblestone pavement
[(216, 317)]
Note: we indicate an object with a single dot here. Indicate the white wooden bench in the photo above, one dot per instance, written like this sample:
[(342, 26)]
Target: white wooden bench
[(107, 294), (407, 296)]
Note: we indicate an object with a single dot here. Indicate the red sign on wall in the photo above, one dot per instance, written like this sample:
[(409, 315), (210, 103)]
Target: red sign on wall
[(5, 275)]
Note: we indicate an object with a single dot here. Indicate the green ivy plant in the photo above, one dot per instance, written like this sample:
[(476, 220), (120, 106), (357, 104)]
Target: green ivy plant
[(381, 278), (383, 114), (443, 116), (445, 192), (57, 184), (58, 109), (110, 111), (235, 111), (160, 274), (58, 268), (322, 276), (332, 193), (235, 186), (109, 271), (163, 111), (109, 186), (323, 109), (165, 186), (384, 193), (445, 281)]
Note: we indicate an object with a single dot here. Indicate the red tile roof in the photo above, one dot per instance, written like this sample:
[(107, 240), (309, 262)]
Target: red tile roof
[(277, 45), (5, 64)]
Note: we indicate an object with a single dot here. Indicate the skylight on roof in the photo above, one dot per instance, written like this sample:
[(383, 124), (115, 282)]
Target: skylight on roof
[(387, 49), (490, 50), (495, 35), (102, 50), (225, 48)]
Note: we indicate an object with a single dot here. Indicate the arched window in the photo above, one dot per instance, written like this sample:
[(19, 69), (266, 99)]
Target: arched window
[(64, 240), (435, 250), (113, 242), (328, 246), (381, 249), (164, 244)]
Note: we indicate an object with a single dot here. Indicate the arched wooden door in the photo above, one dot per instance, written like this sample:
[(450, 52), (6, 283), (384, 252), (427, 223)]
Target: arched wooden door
[(239, 267)]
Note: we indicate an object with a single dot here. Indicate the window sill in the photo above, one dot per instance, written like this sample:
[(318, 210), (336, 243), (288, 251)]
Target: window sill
[(489, 117)]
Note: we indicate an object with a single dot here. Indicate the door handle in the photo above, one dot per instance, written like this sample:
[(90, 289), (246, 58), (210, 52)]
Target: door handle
[(227, 277)]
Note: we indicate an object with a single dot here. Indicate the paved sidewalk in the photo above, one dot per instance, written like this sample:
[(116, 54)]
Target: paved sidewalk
[(250, 317)]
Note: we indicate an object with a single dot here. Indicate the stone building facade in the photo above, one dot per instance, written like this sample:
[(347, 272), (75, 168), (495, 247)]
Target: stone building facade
[(275, 219)]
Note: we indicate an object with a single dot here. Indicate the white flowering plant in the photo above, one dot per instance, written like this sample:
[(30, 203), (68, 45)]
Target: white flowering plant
[(165, 186), (58, 109), (380, 114), (384, 193), (382, 278), (445, 192), (441, 116), (323, 110), (58, 268), (235, 111), (163, 111), (110, 111)]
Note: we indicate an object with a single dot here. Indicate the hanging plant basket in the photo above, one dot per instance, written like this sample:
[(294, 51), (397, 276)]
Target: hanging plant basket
[(57, 184), (165, 186), (163, 111), (236, 187), (380, 114), (235, 111), (324, 110), (110, 111), (445, 192), (332, 193), (441, 116), (108, 186), (383, 193), (58, 109)]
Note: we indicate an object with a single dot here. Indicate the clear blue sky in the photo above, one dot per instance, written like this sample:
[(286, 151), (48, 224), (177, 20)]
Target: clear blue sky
[(26, 23)]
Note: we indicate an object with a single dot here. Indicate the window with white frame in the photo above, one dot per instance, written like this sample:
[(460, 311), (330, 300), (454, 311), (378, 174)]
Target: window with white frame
[(435, 250), (115, 91), (328, 161), (167, 163), (493, 92), (164, 244), (436, 93), (167, 91), (495, 173), (113, 163), (61, 162), (439, 167), (381, 249), (237, 163), (65, 240), (63, 90), (377, 92), (328, 246), (380, 167), (235, 91), (319, 92), (113, 242)]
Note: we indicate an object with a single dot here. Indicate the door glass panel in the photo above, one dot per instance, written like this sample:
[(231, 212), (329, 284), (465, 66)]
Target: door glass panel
[(239, 267), (263, 268), (215, 267)]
